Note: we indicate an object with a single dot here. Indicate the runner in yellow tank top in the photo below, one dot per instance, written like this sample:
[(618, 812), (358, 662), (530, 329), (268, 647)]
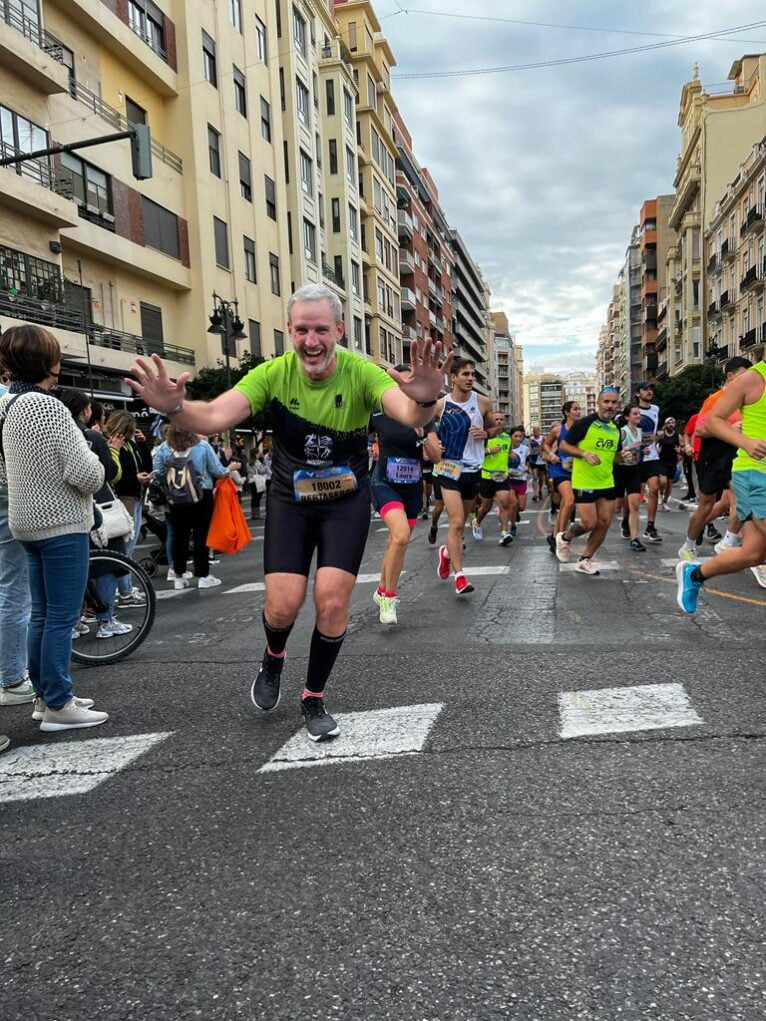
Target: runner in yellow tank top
[(747, 394)]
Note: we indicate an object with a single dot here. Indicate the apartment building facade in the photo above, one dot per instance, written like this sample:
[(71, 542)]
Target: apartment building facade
[(543, 398), (425, 253), (379, 231), (735, 258), (507, 375), (472, 320), (717, 132), (119, 266), (581, 387)]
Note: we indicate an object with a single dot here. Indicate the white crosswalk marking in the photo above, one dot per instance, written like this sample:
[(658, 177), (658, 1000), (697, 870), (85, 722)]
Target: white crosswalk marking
[(50, 770), (668, 562), (252, 586), (602, 565), (618, 710), (479, 571), (377, 734)]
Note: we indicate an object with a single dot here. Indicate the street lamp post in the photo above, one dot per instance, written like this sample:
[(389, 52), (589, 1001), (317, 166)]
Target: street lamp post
[(225, 323)]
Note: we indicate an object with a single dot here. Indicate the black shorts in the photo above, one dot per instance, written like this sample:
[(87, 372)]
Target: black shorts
[(668, 469), (385, 493), (437, 487), (627, 480), (467, 485), (594, 495), (713, 477), (337, 530), (488, 488), (557, 480), (650, 470)]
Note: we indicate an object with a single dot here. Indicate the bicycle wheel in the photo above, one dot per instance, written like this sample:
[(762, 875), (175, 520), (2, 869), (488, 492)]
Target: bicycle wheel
[(92, 650)]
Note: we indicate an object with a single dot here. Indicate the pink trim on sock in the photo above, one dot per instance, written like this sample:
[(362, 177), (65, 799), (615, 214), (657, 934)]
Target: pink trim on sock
[(390, 595), (381, 590), (391, 505), (276, 655), (311, 694)]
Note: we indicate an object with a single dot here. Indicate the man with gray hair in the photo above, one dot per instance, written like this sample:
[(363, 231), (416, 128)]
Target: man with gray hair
[(320, 398)]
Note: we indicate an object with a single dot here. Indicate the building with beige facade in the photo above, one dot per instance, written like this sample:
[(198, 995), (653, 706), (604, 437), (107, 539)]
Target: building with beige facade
[(655, 238), (130, 266), (543, 398), (735, 258), (581, 387), (381, 223), (507, 371), (718, 130), (472, 321)]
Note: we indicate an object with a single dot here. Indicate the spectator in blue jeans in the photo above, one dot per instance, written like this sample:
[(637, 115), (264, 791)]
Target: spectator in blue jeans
[(15, 686), (51, 475)]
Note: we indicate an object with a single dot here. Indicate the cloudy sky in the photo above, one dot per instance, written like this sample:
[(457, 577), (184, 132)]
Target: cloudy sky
[(543, 171)]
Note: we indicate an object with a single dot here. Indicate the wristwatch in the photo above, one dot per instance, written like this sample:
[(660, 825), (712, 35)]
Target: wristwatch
[(174, 411)]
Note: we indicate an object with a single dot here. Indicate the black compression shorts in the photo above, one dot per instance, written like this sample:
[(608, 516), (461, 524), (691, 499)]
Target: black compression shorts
[(337, 530)]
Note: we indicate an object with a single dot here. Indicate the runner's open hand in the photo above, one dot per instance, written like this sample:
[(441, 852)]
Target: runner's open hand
[(154, 386), (425, 379)]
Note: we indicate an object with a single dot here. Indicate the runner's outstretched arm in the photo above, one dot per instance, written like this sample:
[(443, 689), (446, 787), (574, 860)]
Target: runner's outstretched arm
[(153, 384)]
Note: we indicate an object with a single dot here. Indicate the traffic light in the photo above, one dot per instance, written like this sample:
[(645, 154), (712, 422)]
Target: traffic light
[(141, 151)]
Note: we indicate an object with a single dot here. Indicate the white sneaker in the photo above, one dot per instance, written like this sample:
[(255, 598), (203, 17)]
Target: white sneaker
[(19, 695), (181, 583), (690, 555), (727, 544), (79, 630), (478, 531), (38, 710), (586, 566), (172, 576), (563, 549), (70, 717), (112, 628), (209, 582), (760, 574), (664, 507), (388, 606), (133, 598)]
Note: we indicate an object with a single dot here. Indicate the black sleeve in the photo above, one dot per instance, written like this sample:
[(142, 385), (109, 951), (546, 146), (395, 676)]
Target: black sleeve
[(579, 430), (101, 449), (144, 456)]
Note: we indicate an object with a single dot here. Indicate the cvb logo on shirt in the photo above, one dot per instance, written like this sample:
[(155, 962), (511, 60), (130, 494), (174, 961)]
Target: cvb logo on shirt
[(605, 444)]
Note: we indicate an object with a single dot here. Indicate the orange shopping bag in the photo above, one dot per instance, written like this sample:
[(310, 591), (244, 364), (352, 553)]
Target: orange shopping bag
[(228, 530)]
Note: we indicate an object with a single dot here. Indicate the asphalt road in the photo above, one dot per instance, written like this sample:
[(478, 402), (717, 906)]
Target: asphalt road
[(515, 846)]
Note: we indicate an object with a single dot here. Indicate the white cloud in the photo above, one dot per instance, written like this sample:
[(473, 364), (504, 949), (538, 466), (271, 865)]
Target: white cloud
[(543, 172)]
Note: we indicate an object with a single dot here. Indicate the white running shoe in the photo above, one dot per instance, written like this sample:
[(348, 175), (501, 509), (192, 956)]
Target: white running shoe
[(38, 710), (172, 576), (724, 544), (113, 628), (388, 606), (376, 597), (70, 717), (690, 555), (210, 582), (180, 583), (563, 549), (586, 566), (478, 531), (759, 573)]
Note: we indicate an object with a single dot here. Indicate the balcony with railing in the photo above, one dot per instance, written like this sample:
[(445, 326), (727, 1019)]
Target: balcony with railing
[(335, 278), (405, 224), (661, 371), (712, 263), (723, 301), (57, 315), (749, 338), (409, 299), (713, 310), (728, 252), (753, 221), (26, 52), (749, 279), (406, 261), (31, 187)]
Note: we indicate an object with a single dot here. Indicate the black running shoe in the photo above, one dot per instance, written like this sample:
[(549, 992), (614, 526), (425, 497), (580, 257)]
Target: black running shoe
[(637, 546), (424, 515), (624, 532), (265, 692), (551, 540), (652, 535), (432, 533), (712, 534), (319, 724)]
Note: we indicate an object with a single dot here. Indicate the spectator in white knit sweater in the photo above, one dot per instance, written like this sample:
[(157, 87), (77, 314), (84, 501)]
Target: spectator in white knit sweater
[(51, 476)]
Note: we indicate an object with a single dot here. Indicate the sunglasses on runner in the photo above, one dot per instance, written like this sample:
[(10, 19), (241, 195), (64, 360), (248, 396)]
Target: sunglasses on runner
[(610, 389)]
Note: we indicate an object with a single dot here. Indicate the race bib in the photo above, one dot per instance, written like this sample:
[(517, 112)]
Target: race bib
[(566, 463), (499, 476), (320, 485), (404, 470), (449, 470)]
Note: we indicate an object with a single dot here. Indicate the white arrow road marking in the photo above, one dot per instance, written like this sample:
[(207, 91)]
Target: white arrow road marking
[(618, 710), (50, 770), (377, 734)]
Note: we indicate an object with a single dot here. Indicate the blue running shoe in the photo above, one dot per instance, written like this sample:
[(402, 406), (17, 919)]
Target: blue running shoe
[(688, 590)]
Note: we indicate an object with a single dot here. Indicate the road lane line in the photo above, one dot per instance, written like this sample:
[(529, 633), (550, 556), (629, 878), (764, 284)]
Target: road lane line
[(623, 710), (706, 590), (50, 771), (376, 734)]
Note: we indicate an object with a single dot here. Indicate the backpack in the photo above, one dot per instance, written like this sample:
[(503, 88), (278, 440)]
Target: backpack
[(184, 482)]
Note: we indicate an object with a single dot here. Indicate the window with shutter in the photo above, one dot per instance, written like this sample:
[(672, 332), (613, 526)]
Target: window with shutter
[(151, 328)]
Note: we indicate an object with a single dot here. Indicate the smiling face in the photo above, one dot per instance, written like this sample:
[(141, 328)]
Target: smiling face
[(315, 333), (634, 418)]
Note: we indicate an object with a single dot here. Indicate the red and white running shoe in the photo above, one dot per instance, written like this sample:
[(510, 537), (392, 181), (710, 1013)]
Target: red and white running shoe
[(445, 566), (462, 585)]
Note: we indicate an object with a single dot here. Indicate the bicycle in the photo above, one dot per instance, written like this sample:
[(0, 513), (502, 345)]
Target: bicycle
[(90, 650)]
